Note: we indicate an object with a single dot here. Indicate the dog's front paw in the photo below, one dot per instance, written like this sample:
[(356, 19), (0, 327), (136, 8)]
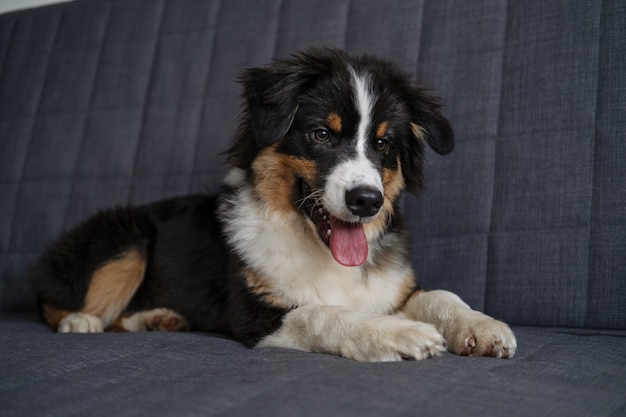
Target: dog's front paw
[(480, 335), (394, 339), (356, 335), (81, 323)]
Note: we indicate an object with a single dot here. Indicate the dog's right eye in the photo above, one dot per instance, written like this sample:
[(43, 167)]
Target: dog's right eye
[(321, 135)]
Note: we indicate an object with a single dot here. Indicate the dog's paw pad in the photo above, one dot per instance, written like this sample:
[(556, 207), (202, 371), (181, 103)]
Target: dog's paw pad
[(81, 323), (487, 337), (164, 319)]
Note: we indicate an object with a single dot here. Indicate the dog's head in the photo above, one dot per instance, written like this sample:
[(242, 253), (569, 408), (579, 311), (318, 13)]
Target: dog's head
[(336, 138)]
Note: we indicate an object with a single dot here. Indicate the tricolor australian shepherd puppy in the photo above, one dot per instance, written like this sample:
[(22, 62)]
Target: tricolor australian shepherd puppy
[(304, 248)]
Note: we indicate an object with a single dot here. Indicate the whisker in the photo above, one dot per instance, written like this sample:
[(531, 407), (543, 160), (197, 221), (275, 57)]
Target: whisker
[(315, 195), (315, 206), (388, 180)]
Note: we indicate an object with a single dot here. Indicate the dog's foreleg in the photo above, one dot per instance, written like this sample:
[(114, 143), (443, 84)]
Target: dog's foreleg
[(467, 332), (355, 335)]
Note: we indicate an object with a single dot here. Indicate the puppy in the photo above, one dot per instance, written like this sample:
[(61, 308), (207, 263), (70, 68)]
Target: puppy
[(304, 248)]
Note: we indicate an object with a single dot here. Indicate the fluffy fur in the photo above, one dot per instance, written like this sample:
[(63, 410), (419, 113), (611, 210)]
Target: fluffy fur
[(304, 248)]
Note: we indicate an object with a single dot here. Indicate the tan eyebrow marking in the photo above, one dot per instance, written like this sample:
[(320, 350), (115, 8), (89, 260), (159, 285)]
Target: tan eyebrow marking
[(382, 129), (334, 122)]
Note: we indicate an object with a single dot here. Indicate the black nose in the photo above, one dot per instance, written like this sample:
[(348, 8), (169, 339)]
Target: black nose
[(364, 202)]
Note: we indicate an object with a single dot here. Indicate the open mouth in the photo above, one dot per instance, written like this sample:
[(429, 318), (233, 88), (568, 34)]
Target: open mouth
[(346, 241)]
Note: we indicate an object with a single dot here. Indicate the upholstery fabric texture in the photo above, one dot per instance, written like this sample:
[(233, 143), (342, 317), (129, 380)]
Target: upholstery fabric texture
[(115, 102)]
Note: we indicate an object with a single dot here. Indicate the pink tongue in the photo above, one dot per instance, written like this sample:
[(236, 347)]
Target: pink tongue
[(348, 243)]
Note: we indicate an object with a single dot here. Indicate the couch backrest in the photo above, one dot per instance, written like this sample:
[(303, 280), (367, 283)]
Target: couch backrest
[(106, 102)]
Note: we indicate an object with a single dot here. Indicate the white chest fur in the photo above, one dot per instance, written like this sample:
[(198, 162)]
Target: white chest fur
[(297, 266)]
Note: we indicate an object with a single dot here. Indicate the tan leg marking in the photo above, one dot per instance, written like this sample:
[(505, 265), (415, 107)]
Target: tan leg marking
[(113, 285)]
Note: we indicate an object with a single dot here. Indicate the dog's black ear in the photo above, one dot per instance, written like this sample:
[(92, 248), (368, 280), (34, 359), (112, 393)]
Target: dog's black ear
[(271, 100), (428, 125), (427, 122), (271, 93)]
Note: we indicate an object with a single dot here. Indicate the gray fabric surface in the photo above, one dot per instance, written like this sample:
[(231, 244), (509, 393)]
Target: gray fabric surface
[(511, 220), (106, 102), (556, 373)]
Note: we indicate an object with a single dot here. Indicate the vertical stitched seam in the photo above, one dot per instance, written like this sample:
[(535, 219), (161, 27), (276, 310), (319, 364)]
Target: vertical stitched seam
[(495, 161), (419, 41), (585, 318), (218, 13), (88, 111), (144, 108), (41, 94), (9, 47), (279, 19), (412, 236), (20, 179), (5, 254), (347, 24)]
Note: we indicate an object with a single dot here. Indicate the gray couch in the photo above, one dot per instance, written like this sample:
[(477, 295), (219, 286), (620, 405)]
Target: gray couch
[(106, 102)]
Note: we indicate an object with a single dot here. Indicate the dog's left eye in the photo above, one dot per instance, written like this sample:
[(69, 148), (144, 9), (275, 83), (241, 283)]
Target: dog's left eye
[(321, 135), (382, 145)]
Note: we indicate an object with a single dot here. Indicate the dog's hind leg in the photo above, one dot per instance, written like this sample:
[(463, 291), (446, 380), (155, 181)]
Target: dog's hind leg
[(158, 319), (88, 276), (111, 287)]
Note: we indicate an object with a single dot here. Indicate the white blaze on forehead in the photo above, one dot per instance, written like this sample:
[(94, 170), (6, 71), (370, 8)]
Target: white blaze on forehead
[(364, 101), (357, 172)]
